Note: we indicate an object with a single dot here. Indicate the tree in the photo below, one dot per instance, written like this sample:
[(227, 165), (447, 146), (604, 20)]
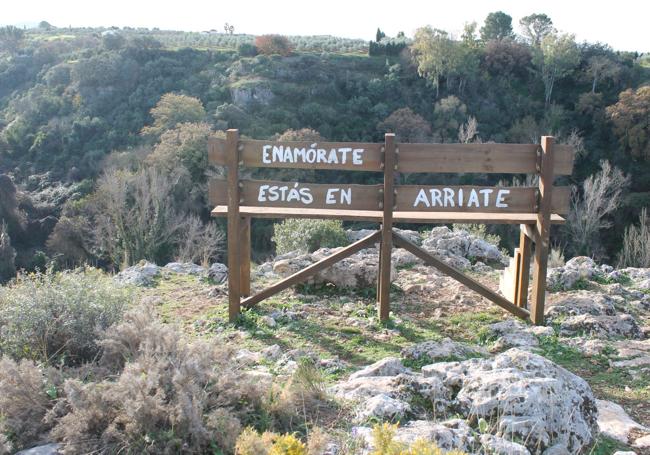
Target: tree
[(631, 119), (449, 113), (506, 58), (379, 35), (173, 109), (600, 67), (137, 216), (273, 44), (535, 27), (229, 28), (602, 194), (469, 35), (407, 126), (183, 146), (556, 58), (45, 25), (433, 51), (498, 25), (7, 255), (11, 38)]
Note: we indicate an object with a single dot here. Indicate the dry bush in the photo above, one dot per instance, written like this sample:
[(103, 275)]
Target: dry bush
[(200, 243), (636, 244), (26, 396), (52, 316), (137, 216), (273, 44), (602, 194), (165, 395), (301, 399)]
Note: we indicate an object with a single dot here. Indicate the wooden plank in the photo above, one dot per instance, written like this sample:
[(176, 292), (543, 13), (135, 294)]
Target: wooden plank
[(234, 285), (452, 158), (542, 231), (528, 231), (525, 245), (312, 269), (516, 275), (472, 198), (459, 276), (398, 217), (351, 156), (481, 158), (245, 266), (466, 198), (258, 193), (383, 303)]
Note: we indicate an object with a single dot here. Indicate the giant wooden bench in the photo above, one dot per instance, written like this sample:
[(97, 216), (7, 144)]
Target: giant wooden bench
[(533, 208)]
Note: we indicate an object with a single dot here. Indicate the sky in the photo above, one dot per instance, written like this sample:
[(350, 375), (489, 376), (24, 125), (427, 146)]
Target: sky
[(623, 24)]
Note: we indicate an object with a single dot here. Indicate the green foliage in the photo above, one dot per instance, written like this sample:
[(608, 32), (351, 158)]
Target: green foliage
[(173, 110), (308, 235), (498, 25), (51, 317), (7, 255), (629, 116)]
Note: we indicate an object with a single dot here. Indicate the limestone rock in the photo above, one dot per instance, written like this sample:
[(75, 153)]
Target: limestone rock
[(47, 449), (185, 268), (448, 435), (357, 271), (514, 334), (615, 423), (457, 245), (496, 445), (218, 272), (383, 407), (389, 366), (519, 389), (141, 274), (445, 349), (620, 325)]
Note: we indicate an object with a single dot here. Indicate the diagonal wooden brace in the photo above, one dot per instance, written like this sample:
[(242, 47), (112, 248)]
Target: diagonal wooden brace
[(474, 285), (313, 269)]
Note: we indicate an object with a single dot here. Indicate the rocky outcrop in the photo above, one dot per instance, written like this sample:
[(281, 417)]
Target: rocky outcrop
[(185, 268), (523, 395), (578, 268), (443, 350), (141, 274), (592, 313), (515, 334), (357, 271), (615, 423)]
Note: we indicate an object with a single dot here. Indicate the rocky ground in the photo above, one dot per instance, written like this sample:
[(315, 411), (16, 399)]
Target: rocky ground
[(449, 366)]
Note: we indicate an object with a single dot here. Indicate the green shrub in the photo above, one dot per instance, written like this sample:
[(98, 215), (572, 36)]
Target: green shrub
[(55, 316), (308, 235)]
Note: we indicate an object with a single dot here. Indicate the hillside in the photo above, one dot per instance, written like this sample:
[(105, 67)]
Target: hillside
[(172, 375), (77, 102)]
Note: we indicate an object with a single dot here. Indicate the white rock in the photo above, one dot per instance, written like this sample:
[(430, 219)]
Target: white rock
[(383, 407), (615, 423), (496, 445), (448, 435), (48, 449), (185, 268), (218, 272), (389, 366), (141, 274), (445, 349), (272, 352)]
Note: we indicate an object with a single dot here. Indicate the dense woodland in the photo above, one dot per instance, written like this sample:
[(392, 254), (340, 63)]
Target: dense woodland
[(103, 132)]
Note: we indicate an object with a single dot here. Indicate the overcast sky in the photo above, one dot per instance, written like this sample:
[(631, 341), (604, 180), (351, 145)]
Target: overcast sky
[(623, 24)]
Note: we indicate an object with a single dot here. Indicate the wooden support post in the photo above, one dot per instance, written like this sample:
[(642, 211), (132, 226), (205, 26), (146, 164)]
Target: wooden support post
[(245, 266), (523, 278), (542, 230), (234, 250), (390, 161)]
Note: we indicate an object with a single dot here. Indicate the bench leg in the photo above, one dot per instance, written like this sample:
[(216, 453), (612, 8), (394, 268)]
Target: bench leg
[(525, 245)]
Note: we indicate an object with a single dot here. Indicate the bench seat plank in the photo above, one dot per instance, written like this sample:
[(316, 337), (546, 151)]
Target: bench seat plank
[(398, 217)]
